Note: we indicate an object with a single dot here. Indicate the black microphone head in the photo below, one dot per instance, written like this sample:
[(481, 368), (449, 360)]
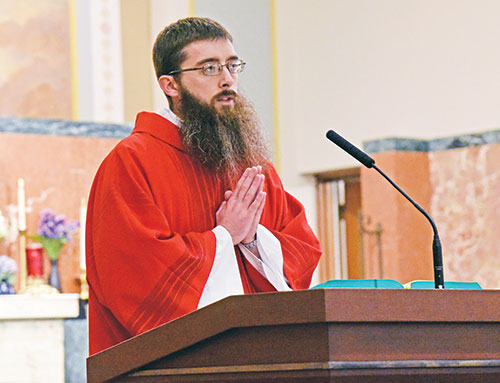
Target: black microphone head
[(342, 143)]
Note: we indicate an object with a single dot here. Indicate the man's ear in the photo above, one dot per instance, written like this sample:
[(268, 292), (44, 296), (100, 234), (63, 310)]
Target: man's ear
[(169, 86)]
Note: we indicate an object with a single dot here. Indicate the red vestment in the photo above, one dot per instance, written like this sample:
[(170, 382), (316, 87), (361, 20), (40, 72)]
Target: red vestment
[(149, 240)]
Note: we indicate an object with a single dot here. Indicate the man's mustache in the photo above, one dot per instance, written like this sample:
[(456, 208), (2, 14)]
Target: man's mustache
[(226, 93)]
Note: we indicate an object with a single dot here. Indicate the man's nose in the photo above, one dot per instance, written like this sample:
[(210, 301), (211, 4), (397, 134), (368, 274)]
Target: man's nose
[(226, 79)]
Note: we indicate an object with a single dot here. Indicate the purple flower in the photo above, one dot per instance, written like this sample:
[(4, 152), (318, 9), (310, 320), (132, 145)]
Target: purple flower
[(56, 226), (7, 266)]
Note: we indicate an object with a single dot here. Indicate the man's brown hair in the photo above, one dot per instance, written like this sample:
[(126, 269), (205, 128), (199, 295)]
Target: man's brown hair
[(167, 49)]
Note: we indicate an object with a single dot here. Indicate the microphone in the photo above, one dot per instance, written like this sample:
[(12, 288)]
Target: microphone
[(369, 162)]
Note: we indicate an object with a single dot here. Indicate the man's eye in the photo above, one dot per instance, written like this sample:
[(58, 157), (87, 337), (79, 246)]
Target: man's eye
[(210, 68)]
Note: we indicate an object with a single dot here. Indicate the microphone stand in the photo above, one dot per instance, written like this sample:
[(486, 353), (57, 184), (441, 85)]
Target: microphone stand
[(436, 243), (369, 162)]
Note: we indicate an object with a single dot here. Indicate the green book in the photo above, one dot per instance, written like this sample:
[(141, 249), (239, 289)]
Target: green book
[(447, 285), (360, 284)]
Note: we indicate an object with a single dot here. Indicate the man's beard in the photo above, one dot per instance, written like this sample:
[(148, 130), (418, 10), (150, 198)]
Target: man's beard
[(225, 141)]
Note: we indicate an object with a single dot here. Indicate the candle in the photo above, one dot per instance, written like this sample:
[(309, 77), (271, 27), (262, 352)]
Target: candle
[(34, 257), (21, 205), (83, 216)]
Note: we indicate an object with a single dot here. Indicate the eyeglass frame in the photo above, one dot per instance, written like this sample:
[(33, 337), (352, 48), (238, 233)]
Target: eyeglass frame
[(220, 67)]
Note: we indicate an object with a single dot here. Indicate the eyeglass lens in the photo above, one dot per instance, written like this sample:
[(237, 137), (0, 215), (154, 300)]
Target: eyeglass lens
[(233, 66)]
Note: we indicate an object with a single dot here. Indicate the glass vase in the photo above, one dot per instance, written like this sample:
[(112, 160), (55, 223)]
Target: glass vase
[(54, 279), (52, 246)]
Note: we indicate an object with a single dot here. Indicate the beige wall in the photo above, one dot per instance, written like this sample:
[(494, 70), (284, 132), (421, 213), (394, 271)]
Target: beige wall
[(137, 67), (375, 69)]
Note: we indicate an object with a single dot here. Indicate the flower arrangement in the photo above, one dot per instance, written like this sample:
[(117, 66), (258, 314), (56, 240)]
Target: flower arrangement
[(54, 231), (8, 269)]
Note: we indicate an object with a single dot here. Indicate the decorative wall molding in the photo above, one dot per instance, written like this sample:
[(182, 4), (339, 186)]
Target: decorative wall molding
[(63, 128), (439, 144)]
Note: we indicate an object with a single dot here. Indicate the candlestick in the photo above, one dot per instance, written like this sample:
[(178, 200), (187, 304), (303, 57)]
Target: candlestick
[(83, 216), (22, 261), (21, 224), (21, 205), (84, 287)]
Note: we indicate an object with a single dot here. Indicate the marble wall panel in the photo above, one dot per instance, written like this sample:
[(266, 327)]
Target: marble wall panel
[(466, 205), (58, 172), (405, 252)]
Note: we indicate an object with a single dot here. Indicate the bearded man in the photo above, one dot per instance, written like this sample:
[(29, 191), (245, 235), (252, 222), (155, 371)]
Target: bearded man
[(188, 209)]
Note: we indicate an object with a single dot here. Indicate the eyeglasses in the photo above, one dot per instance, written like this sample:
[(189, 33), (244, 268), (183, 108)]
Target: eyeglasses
[(213, 69)]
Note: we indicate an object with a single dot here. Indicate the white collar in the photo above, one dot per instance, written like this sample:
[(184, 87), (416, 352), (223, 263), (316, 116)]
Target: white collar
[(165, 112)]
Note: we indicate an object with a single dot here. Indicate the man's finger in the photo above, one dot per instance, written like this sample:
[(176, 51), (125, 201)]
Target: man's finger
[(255, 188), (221, 207), (245, 182), (240, 182), (260, 209), (260, 202)]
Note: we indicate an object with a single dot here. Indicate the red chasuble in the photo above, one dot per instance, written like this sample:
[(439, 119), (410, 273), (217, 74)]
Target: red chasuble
[(150, 245)]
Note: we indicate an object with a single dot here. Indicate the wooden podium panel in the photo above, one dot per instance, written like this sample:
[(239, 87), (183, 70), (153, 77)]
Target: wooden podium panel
[(324, 335)]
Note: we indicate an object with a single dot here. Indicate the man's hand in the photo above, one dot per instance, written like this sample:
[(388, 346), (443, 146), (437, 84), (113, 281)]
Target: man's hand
[(241, 210)]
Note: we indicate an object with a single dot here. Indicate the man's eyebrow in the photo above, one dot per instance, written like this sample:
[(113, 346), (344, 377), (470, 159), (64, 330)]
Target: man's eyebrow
[(214, 59)]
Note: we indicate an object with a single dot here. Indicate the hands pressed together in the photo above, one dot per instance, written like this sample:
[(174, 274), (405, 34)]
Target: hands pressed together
[(241, 209)]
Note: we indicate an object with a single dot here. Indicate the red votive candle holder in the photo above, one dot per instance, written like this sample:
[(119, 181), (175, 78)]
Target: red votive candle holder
[(34, 260)]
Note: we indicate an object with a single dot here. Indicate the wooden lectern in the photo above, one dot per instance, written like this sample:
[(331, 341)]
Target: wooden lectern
[(324, 335)]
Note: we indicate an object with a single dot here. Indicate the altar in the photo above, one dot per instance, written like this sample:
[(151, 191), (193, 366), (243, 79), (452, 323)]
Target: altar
[(34, 337)]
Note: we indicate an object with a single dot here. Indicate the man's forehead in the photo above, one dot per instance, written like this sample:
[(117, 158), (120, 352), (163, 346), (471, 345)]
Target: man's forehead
[(208, 50)]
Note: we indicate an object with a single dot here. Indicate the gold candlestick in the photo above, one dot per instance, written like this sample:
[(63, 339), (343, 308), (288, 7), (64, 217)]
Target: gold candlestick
[(21, 224), (84, 287), (22, 262)]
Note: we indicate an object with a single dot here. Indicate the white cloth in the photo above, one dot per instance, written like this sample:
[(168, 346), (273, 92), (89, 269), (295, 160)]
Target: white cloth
[(224, 278), (270, 264), (169, 115)]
